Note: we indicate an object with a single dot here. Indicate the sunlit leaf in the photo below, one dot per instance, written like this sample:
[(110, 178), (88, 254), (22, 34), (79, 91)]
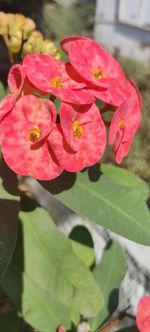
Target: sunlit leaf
[(126, 178), (116, 207), (46, 270)]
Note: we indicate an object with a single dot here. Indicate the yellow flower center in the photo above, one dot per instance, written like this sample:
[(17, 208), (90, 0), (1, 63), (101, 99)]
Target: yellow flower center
[(57, 82), (77, 129), (122, 124), (34, 134), (98, 74)]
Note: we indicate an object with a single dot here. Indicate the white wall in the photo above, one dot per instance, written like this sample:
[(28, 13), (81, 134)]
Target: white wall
[(124, 25)]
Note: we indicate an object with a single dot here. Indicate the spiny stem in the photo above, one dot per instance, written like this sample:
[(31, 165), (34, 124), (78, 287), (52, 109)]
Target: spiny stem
[(115, 321)]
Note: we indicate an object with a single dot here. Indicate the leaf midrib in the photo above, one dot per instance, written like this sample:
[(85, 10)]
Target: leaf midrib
[(108, 202)]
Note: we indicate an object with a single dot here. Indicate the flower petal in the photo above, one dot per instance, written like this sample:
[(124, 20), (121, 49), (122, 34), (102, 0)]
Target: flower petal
[(86, 56), (66, 42), (40, 112), (7, 105), (16, 78), (92, 144), (22, 158), (42, 69), (143, 314)]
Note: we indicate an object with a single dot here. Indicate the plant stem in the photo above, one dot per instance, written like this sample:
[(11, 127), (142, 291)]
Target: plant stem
[(115, 321)]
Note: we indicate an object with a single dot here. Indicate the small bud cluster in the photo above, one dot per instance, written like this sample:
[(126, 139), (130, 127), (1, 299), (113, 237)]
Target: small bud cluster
[(20, 35)]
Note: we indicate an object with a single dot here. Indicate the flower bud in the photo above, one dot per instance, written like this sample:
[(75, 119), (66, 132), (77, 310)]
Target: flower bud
[(28, 27), (49, 48), (33, 44), (3, 24), (14, 44), (19, 21)]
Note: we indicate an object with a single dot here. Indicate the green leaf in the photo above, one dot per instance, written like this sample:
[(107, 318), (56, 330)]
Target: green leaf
[(45, 258), (40, 309), (126, 178), (9, 209), (9, 322), (116, 207), (86, 254), (109, 274), (82, 244)]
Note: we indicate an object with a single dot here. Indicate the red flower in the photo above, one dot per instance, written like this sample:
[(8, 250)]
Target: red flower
[(31, 144), (84, 136), (100, 71), (7, 105), (125, 122), (18, 84), (51, 76), (143, 314), (67, 42)]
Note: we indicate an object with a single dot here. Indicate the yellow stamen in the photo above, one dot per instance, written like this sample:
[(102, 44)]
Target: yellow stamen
[(77, 129), (98, 74), (57, 82), (34, 134), (122, 124)]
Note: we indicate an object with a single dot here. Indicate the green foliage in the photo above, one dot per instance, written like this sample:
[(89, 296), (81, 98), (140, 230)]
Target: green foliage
[(116, 207), (126, 178), (85, 253), (109, 274), (9, 322), (9, 209), (46, 280), (39, 309)]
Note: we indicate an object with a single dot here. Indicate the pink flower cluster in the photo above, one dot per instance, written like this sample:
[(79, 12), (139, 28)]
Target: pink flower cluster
[(38, 142)]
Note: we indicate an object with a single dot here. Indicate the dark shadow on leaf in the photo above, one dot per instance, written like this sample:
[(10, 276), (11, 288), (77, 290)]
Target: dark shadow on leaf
[(10, 181), (113, 300), (28, 204), (148, 202), (64, 182), (112, 305), (9, 210), (94, 173), (81, 235), (13, 280)]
